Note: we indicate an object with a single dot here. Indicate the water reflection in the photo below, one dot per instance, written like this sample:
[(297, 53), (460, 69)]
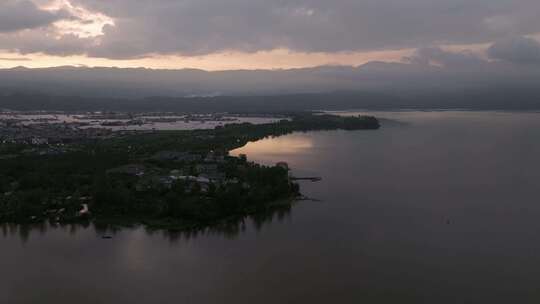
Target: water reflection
[(292, 144), (229, 229), (24, 232)]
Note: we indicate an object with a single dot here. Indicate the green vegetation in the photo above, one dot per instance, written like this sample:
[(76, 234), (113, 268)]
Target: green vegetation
[(165, 179)]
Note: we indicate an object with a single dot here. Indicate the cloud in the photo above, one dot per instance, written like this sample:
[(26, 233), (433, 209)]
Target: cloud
[(518, 50), (194, 27), (449, 59), (15, 59), (201, 27), (43, 40), (18, 15)]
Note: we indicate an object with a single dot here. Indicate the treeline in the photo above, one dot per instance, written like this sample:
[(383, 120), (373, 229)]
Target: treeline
[(233, 136), (185, 204), (55, 188)]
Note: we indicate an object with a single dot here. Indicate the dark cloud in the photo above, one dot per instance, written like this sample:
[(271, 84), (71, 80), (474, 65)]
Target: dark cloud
[(39, 40), (18, 15), (519, 50), (197, 27), (192, 27)]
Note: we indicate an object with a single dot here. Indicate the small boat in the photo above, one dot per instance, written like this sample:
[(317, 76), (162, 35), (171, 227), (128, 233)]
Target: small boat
[(106, 237)]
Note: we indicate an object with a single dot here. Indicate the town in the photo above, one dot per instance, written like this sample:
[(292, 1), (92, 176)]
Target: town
[(53, 127)]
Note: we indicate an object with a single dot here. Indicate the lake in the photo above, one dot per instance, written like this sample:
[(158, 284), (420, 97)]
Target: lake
[(435, 207)]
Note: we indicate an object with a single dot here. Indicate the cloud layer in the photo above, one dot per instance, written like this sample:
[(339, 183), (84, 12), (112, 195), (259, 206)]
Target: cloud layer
[(18, 15), (200, 27)]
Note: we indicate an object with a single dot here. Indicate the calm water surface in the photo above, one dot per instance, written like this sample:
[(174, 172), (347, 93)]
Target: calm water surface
[(436, 207)]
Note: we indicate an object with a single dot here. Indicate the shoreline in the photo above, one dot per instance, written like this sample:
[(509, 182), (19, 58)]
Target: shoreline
[(165, 180)]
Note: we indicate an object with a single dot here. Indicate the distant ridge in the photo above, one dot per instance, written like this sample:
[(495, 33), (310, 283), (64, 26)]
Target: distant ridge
[(492, 99), (374, 85), (399, 79)]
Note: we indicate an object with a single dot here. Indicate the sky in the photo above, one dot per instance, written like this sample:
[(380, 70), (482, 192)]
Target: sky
[(265, 34)]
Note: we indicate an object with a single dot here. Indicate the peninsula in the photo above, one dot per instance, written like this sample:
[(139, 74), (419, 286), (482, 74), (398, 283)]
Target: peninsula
[(163, 179)]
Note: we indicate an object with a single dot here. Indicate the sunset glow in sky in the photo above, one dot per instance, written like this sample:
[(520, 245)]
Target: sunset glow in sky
[(251, 34), (275, 59)]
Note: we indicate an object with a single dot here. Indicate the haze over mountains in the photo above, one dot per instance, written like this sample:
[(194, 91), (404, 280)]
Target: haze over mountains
[(374, 76), (509, 79)]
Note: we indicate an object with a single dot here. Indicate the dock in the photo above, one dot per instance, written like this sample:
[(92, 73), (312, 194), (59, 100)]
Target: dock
[(311, 179)]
